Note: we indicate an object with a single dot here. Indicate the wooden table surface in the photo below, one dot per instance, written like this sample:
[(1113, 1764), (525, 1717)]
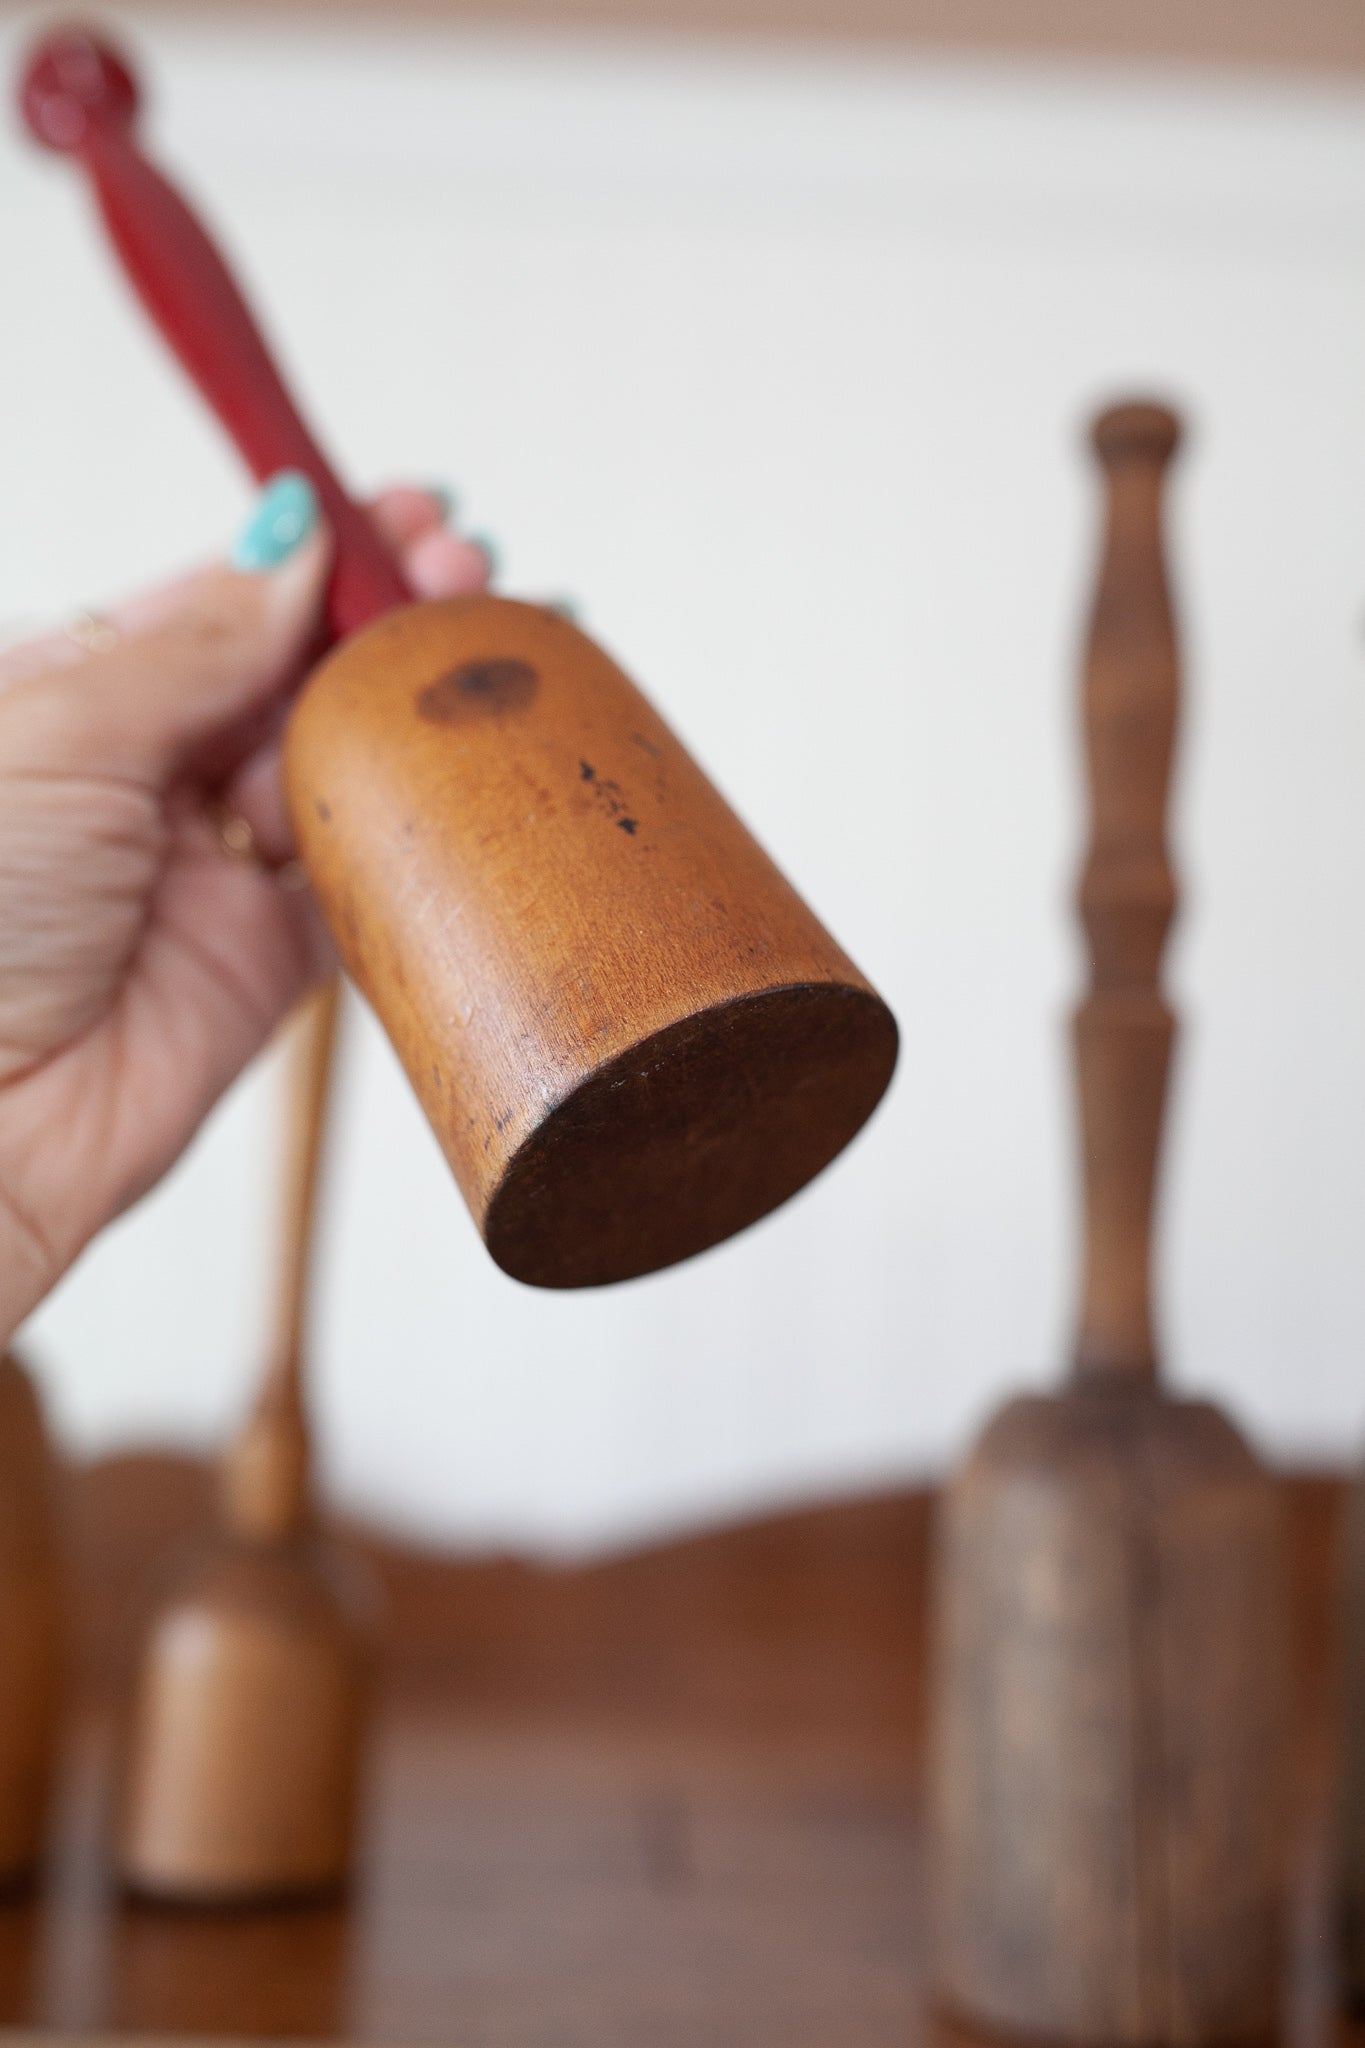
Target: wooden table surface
[(671, 1799)]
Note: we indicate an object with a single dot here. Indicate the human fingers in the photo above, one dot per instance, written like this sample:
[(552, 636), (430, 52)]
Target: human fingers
[(403, 513), (95, 632), (435, 563), (443, 564), (414, 522), (226, 646), (436, 560)]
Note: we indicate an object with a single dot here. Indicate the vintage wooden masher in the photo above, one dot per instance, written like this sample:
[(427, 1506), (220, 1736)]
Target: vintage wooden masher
[(1348, 1832), (32, 1624), (240, 1771), (1109, 1746), (630, 1035)]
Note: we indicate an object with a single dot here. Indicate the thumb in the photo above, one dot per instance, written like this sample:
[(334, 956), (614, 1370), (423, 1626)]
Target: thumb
[(226, 644)]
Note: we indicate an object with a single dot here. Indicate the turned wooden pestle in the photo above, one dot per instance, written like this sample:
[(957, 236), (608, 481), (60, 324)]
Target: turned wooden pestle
[(1109, 1690), (243, 1746)]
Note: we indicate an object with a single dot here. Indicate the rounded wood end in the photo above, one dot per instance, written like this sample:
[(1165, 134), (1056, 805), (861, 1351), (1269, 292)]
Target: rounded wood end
[(692, 1135), (1138, 429), (241, 1769)]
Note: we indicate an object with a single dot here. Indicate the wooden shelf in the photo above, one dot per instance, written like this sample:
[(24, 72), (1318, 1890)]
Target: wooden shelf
[(672, 1799)]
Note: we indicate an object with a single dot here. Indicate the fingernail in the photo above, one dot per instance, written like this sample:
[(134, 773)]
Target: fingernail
[(566, 607), (286, 513), (442, 495), (488, 550)]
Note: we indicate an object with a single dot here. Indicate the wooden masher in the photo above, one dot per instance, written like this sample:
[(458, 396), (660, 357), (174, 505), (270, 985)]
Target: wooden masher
[(241, 1762), (630, 1035), (1108, 1774)]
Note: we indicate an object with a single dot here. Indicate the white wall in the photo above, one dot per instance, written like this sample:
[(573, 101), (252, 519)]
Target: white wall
[(777, 362)]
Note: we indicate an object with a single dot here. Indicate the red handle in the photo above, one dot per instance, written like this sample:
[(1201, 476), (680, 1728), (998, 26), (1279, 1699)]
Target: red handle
[(79, 97)]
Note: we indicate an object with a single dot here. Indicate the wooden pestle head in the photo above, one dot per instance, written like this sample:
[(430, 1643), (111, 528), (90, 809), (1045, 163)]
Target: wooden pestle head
[(241, 1770), (628, 1032), (1109, 1727)]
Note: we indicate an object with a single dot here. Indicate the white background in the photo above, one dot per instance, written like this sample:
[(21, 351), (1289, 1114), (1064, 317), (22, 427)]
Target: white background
[(778, 363)]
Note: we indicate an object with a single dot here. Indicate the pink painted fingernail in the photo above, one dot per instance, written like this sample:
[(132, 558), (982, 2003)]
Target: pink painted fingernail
[(440, 564)]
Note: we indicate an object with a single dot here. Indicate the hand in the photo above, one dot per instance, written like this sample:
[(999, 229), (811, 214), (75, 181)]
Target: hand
[(142, 961)]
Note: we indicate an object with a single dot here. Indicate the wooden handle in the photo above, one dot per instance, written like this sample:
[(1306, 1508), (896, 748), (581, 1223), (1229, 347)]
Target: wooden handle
[(1124, 1029), (79, 96), (265, 1474)]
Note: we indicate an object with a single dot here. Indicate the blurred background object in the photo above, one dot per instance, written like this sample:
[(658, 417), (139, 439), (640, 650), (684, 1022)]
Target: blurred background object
[(810, 329), (243, 1742), (32, 1625), (1111, 1742), (1348, 1845)]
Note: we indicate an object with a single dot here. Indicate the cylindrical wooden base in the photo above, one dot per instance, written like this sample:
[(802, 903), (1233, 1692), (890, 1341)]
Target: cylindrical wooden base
[(1109, 1738), (242, 1762)]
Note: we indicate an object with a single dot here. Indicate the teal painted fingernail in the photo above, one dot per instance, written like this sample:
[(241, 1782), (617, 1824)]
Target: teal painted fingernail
[(488, 550), (286, 513), (442, 495)]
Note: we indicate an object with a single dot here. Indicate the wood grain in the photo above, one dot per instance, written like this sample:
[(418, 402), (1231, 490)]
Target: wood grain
[(628, 1032), (1111, 1739)]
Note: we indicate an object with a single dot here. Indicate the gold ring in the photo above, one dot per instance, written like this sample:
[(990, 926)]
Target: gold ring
[(92, 631), (237, 839), (238, 842)]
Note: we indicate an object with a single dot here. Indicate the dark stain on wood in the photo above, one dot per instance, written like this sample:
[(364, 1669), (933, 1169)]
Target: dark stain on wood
[(478, 689)]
